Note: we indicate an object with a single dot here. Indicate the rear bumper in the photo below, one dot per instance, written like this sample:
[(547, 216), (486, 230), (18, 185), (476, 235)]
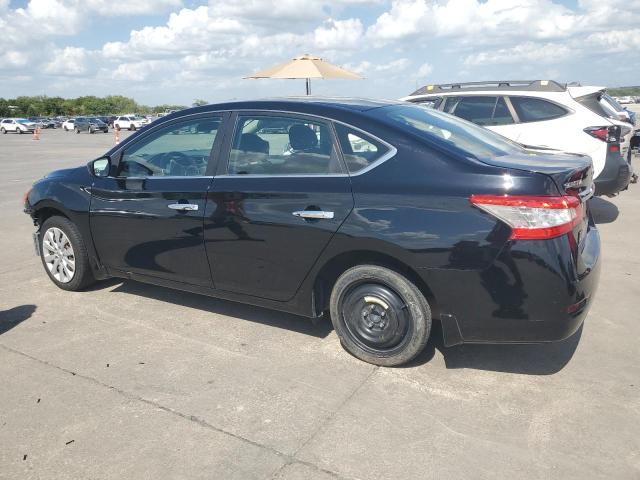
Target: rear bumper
[(534, 292), (614, 177)]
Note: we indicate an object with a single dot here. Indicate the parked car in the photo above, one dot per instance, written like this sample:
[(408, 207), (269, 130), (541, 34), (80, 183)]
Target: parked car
[(43, 122), (625, 100), (545, 114), (617, 111), (385, 214), (69, 124), (90, 124), (129, 122), (17, 125), (108, 120)]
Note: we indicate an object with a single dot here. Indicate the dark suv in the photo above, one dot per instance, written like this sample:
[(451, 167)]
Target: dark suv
[(90, 124), (385, 214)]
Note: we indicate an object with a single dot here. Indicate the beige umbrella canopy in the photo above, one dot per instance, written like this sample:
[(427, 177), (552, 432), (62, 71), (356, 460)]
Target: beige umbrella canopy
[(306, 66)]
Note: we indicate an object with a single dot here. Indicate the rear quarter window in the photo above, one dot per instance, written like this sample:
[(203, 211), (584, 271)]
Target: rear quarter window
[(359, 150), (536, 109)]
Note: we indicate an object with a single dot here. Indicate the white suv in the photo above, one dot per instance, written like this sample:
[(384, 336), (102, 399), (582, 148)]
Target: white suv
[(129, 122), (17, 125), (543, 114)]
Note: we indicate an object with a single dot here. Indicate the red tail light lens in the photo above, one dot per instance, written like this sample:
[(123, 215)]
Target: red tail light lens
[(610, 134), (533, 218)]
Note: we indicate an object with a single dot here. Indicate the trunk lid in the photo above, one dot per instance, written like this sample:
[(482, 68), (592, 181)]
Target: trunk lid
[(572, 173)]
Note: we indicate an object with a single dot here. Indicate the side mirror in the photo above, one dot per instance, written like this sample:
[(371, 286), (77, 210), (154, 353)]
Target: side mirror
[(100, 167)]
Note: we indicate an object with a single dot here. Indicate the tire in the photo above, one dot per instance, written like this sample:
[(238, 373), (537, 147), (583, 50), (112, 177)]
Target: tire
[(3, 130), (81, 275), (92, 131), (77, 130), (132, 127), (19, 131), (379, 316)]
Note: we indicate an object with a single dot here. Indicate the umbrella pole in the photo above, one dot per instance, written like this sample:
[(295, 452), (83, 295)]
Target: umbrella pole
[(308, 86)]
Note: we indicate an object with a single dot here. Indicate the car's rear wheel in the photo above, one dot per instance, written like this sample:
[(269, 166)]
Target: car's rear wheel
[(132, 127), (77, 130), (19, 130), (3, 130), (379, 315), (64, 254)]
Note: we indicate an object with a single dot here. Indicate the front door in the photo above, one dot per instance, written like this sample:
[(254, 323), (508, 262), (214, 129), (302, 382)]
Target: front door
[(148, 218), (275, 205)]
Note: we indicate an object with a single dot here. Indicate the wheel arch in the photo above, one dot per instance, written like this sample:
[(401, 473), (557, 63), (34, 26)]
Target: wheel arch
[(46, 210), (327, 275)]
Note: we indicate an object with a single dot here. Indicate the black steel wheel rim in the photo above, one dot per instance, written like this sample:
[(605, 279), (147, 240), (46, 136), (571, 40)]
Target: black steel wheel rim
[(376, 317)]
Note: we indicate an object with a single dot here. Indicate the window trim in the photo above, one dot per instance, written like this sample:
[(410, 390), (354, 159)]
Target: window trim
[(230, 132)]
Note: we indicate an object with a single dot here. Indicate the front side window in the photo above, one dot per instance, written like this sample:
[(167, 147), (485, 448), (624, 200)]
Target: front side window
[(282, 145), (181, 149), (531, 109), (358, 149)]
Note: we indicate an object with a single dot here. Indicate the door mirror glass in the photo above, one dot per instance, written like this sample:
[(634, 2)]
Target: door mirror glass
[(100, 167)]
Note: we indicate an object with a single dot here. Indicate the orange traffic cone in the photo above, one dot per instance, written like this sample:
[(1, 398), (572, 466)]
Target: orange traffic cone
[(117, 135), (36, 133)]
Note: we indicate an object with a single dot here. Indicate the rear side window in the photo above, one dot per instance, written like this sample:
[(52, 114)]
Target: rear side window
[(282, 145), (536, 110), (429, 102), (359, 149), (486, 111)]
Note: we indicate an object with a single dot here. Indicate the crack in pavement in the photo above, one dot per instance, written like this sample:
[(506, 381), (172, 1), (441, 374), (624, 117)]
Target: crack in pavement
[(289, 458)]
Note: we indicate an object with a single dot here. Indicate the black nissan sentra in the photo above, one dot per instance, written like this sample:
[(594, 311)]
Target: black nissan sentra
[(384, 214)]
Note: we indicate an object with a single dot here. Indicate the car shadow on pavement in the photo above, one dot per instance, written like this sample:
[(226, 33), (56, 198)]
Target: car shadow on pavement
[(528, 359), (603, 211), (15, 316), (241, 311)]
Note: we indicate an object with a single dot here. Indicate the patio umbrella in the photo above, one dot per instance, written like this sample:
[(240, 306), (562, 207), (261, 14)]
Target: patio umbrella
[(307, 66)]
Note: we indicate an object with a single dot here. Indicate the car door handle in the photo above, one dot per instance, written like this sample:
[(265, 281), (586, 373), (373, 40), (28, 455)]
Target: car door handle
[(313, 214), (183, 207)]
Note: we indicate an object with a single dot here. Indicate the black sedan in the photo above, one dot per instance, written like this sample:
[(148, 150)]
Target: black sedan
[(384, 214)]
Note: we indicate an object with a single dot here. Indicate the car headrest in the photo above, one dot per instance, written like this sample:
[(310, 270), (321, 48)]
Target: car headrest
[(250, 142), (302, 137)]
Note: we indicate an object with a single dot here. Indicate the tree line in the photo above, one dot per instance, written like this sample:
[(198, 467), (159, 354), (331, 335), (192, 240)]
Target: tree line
[(624, 91), (43, 106)]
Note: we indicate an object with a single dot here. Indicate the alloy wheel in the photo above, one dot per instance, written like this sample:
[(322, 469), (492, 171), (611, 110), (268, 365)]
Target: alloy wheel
[(58, 255)]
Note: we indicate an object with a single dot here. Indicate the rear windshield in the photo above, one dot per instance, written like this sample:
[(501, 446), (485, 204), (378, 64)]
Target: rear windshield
[(592, 102), (441, 127)]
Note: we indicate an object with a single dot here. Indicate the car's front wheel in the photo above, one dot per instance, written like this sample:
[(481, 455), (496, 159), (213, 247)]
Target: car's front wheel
[(19, 131), (3, 130), (64, 254), (132, 127), (379, 315)]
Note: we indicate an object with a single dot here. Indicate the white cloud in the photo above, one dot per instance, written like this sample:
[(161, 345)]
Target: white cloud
[(67, 61), (109, 8), (526, 52), (334, 34)]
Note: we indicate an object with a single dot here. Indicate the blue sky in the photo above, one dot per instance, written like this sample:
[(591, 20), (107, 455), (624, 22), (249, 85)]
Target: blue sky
[(174, 51)]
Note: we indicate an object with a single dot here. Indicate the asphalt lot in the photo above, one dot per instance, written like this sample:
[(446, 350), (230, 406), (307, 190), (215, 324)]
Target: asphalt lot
[(130, 381)]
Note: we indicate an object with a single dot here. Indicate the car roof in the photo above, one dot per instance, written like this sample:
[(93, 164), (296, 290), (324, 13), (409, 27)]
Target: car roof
[(294, 103)]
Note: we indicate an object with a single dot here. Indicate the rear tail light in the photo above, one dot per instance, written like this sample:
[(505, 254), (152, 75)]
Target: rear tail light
[(533, 218), (610, 134)]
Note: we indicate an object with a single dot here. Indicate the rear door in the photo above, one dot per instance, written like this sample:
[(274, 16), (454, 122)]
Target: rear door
[(544, 123), (148, 218), (281, 193)]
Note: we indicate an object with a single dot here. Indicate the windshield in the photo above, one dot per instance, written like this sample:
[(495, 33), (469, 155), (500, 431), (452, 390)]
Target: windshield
[(23, 120), (435, 125)]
